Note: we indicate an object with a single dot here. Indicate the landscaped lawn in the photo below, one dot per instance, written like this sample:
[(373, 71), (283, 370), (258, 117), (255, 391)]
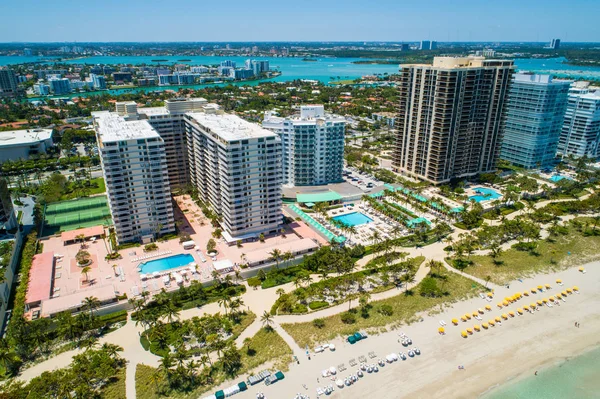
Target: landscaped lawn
[(550, 256), (116, 388), (266, 349), (405, 308), (96, 186)]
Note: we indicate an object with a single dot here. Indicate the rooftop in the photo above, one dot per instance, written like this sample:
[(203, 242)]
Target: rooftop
[(19, 137), (461, 62), (112, 127), (230, 127), (40, 278)]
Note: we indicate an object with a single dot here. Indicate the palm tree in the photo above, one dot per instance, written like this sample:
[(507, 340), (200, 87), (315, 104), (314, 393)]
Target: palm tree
[(224, 302), (287, 256), (280, 292), (85, 270), (276, 256), (267, 319), (91, 303), (171, 312)]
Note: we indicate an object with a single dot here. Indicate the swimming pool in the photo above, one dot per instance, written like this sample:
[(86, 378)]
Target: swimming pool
[(484, 194), (170, 262), (557, 178), (353, 219)]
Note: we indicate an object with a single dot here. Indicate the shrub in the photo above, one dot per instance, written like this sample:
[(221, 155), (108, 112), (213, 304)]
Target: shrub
[(211, 246), (253, 281), (319, 323), (300, 308), (150, 247), (318, 305), (386, 310), (348, 318)]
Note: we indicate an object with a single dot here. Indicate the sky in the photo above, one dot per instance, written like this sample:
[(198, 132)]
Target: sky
[(298, 20)]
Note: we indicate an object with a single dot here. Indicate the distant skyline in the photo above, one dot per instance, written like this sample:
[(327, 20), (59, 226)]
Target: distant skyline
[(326, 20)]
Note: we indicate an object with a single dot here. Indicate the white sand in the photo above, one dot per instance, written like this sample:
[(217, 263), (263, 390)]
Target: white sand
[(520, 346)]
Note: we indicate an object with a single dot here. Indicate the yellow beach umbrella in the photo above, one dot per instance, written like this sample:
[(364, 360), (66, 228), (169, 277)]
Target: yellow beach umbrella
[(491, 322), (581, 269), (470, 331), (575, 288), (488, 307), (490, 295), (476, 327), (533, 290), (532, 306), (552, 298), (468, 316), (499, 305), (498, 319), (484, 325), (480, 311), (463, 318), (508, 299), (570, 291), (564, 293), (519, 310), (441, 330), (539, 287), (454, 321), (548, 286), (463, 334), (504, 316), (558, 281), (518, 294), (545, 300), (511, 313), (475, 314), (525, 293), (540, 303), (505, 303)]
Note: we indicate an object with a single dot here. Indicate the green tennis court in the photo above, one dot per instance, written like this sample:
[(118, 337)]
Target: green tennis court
[(76, 214)]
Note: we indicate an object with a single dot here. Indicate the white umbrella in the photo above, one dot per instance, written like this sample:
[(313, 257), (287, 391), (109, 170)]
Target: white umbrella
[(143, 276), (156, 274), (332, 370), (339, 383)]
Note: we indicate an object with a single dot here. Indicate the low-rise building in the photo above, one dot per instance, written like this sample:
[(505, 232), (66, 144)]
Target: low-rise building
[(20, 144)]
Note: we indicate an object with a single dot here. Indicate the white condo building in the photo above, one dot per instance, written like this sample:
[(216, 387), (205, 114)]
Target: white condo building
[(580, 135), (236, 167), (313, 146), (133, 161)]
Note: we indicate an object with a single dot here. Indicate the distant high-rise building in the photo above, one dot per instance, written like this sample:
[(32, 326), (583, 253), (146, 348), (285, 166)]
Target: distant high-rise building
[(451, 117), (535, 113), (313, 145), (236, 167), (228, 63), (133, 162), (98, 81), (41, 89), (60, 85), (27, 52), (404, 47), (257, 66), (428, 45), (555, 44), (8, 83), (8, 219), (580, 133)]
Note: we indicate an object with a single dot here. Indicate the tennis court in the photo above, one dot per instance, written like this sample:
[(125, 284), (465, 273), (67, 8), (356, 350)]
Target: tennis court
[(75, 214)]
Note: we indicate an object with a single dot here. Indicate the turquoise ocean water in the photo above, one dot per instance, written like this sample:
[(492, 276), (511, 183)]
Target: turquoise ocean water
[(575, 378)]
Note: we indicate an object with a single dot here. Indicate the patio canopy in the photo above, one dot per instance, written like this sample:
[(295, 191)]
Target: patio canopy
[(325, 196)]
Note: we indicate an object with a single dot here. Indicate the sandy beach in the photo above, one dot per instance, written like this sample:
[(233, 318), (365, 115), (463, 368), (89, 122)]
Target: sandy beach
[(522, 345)]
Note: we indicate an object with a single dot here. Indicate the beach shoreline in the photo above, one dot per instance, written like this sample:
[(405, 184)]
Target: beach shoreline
[(491, 358)]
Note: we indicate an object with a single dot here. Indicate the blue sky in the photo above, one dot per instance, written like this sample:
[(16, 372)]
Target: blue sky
[(299, 20)]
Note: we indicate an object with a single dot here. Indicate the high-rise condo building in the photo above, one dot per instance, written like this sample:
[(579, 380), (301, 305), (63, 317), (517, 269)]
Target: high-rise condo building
[(8, 82), (580, 133), (428, 45), (451, 117), (535, 113), (555, 44), (313, 146), (60, 85), (236, 167), (133, 161)]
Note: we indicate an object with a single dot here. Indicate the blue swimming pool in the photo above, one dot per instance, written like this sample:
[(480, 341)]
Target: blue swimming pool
[(170, 262), (353, 219), (484, 194), (557, 178)]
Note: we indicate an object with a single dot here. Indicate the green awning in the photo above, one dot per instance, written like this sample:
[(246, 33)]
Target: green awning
[(326, 196)]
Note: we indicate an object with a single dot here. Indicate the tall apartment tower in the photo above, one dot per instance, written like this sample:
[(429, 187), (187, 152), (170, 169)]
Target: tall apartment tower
[(451, 117), (580, 133), (8, 83), (535, 114), (236, 168), (555, 44), (169, 122), (8, 218), (133, 162), (313, 146)]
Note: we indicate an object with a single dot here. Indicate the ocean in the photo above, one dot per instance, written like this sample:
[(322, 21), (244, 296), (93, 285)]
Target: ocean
[(574, 378)]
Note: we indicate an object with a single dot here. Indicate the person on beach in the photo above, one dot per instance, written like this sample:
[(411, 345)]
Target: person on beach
[(535, 372)]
